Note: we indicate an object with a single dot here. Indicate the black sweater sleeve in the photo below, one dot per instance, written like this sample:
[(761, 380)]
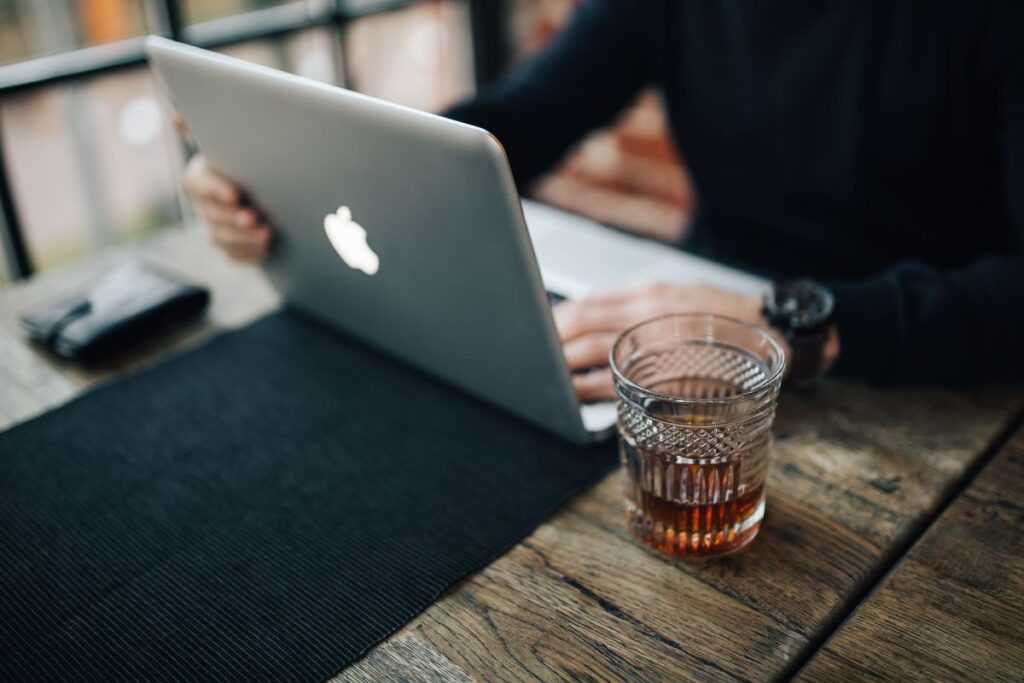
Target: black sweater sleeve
[(586, 76), (914, 323)]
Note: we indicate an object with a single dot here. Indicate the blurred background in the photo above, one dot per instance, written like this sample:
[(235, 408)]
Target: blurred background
[(88, 157)]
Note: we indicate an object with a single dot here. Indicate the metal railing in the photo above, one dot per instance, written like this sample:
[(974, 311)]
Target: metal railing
[(486, 26)]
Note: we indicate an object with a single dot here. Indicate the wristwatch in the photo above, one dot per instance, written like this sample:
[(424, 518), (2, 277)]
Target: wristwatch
[(802, 310)]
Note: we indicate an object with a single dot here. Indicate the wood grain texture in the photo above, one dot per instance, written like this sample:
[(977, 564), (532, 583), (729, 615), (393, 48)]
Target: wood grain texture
[(406, 658), (953, 608), (856, 471)]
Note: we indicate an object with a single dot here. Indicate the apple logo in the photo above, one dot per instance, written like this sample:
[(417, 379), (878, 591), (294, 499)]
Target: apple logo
[(349, 239)]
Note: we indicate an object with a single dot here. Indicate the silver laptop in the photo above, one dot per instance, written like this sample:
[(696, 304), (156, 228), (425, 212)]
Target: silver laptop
[(405, 229)]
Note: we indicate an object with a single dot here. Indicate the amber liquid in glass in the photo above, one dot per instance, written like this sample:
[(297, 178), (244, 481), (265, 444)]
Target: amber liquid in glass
[(693, 506), (690, 509)]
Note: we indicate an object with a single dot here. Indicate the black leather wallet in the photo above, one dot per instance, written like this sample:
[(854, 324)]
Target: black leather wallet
[(123, 307)]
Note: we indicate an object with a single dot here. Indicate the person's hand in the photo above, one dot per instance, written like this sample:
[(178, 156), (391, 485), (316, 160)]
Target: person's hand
[(236, 228), (589, 326)]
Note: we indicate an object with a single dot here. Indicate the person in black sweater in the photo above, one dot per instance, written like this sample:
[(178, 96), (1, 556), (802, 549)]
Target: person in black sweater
[(875, 146)]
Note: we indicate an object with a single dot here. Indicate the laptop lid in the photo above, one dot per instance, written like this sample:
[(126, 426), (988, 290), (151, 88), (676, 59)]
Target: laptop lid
[(400, 227)]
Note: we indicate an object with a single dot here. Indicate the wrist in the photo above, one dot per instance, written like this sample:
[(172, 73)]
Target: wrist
[(801, 312)]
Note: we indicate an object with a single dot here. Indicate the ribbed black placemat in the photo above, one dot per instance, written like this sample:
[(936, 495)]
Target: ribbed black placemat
[(265, 507)]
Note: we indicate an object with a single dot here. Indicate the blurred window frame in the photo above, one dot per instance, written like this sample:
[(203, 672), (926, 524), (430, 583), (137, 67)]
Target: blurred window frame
[(488, 40)]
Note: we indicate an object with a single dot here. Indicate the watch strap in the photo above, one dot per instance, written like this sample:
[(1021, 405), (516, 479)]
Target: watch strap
[(807, 357), (807, 342)]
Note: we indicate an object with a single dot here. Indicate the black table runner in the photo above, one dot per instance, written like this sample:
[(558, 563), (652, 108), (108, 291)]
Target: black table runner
[(267, 506)]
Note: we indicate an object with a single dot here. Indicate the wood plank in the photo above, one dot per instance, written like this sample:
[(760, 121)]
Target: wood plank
[(855, 472), (953, 609), (620, 619), (407, 658)]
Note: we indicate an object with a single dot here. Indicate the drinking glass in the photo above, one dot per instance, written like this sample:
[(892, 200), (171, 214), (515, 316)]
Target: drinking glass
[(696, 402)]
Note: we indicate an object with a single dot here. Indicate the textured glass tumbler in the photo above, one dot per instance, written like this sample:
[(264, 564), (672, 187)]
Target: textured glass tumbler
[(696, 404)]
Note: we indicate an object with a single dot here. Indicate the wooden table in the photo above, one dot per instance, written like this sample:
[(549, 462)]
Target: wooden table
[(954, 607), (858, 475)]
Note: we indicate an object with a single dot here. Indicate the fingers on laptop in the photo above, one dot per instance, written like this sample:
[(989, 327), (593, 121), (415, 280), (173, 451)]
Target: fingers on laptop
[(587, 358), (595, 385), (588, 351), (617, 311), (250, 244), (237, 229), (239, 232), (228, 216), (580, 317), (205, 184), (588, 328)]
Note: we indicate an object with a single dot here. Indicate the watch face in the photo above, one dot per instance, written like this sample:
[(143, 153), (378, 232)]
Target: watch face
[(802, 305)]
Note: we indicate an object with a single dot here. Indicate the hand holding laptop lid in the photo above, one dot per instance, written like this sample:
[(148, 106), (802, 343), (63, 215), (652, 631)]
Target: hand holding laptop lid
[(234, 226)]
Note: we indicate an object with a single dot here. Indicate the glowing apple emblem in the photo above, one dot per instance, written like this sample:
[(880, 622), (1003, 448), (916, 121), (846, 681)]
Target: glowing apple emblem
[(349, 239)]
